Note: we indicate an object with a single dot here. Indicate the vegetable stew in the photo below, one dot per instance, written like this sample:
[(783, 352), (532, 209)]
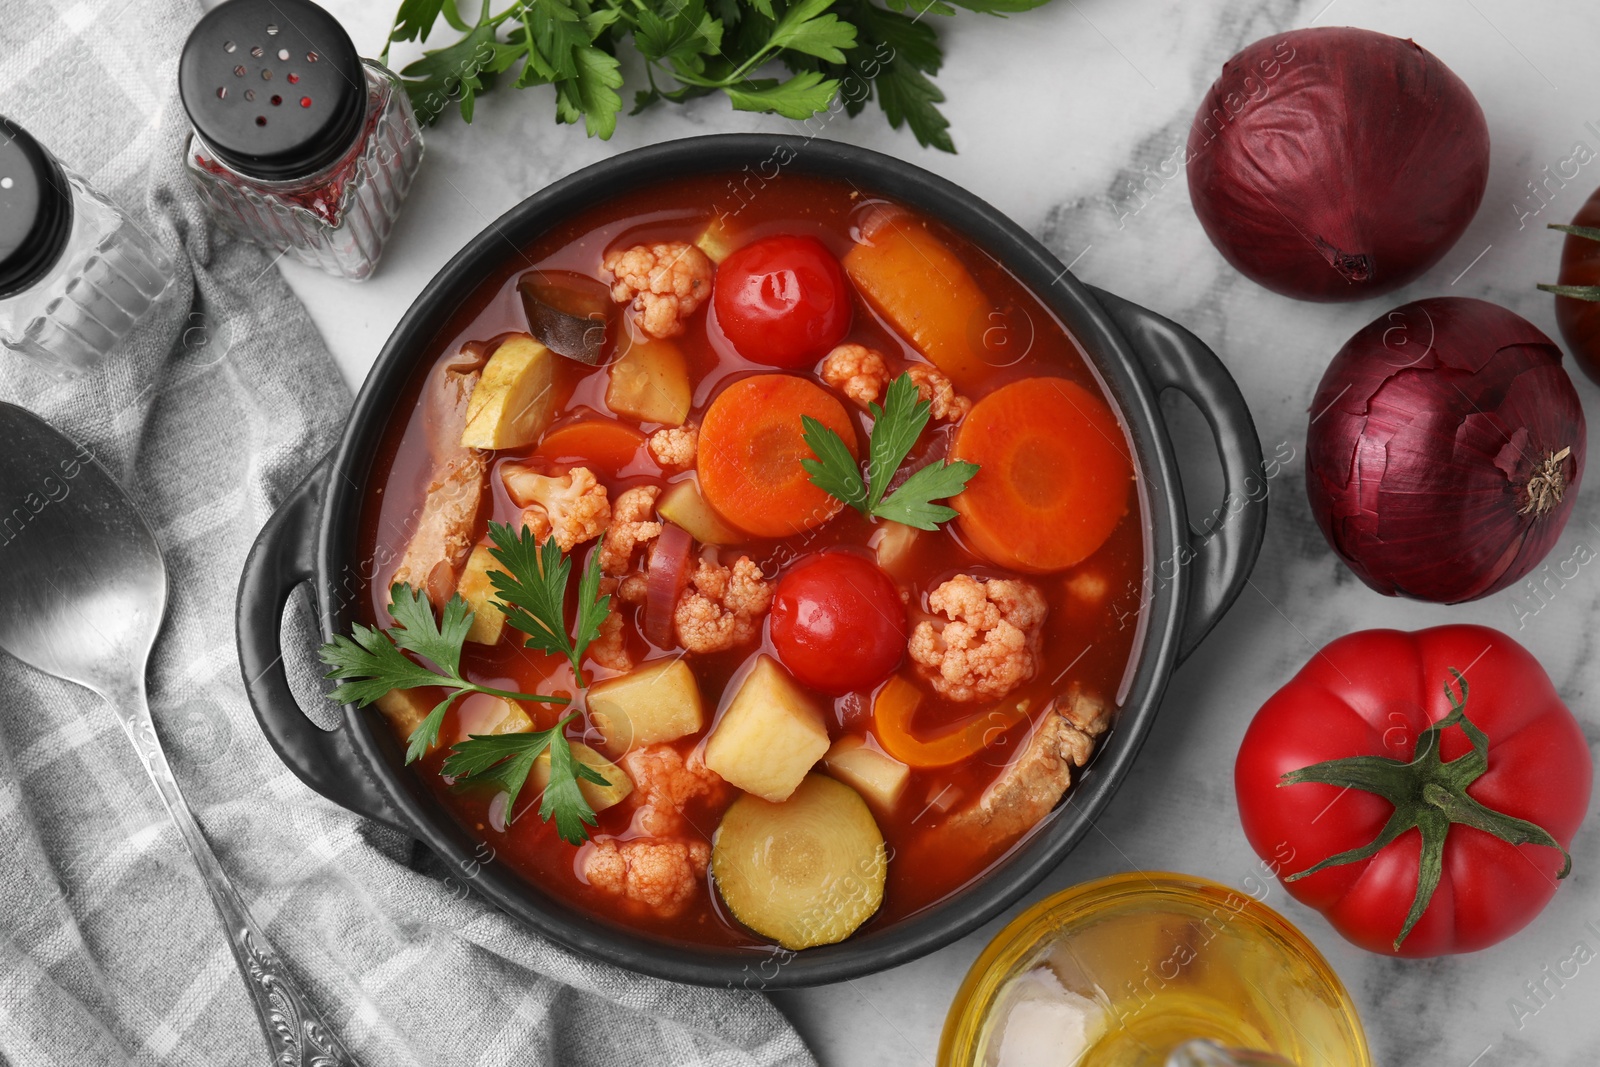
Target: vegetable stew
[(812, 531)]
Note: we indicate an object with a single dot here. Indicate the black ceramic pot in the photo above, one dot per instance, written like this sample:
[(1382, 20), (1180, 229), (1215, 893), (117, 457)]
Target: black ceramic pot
[(1193, 576)]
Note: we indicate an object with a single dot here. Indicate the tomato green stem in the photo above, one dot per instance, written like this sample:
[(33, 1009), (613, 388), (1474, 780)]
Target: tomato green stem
[(1429, 795), (1590, 293)]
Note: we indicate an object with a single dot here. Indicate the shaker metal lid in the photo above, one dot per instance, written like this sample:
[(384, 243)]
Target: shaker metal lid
[(274, 87), (35, 209)]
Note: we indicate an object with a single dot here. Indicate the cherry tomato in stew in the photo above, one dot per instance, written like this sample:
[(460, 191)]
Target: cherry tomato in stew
[(782, 301), (838, 622)]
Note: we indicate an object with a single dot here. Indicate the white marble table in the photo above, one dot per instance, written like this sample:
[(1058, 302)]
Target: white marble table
[(1054, 113)]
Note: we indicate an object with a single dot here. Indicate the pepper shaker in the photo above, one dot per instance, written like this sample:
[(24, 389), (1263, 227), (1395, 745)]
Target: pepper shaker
[(299, 144), (75, 272)]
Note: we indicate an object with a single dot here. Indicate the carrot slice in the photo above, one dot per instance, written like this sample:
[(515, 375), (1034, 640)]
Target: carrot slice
[(1054, 477), (896, 707), (751, 445), (593, 442), (914, 280)]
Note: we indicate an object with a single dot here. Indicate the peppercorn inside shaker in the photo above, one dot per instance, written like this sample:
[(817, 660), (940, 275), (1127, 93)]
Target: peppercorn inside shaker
[(299, 144), (75, 272)]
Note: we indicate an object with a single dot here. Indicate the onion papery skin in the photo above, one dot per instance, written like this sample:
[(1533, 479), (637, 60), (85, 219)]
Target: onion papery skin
[(1336, 163), (1425, 432)]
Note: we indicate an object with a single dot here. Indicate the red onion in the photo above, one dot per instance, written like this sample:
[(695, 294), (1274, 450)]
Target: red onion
[(669, 573), (1336, 163), (1445, 450)]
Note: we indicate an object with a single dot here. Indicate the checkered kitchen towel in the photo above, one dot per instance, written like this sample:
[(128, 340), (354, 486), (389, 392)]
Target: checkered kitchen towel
[(209, 414)]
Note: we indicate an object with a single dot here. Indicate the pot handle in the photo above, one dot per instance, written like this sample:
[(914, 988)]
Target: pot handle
[(283, 556), (1218, 561)]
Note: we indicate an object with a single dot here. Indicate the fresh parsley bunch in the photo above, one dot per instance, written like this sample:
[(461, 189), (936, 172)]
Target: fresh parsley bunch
[(895, 429), (849, 50), (532, 588)]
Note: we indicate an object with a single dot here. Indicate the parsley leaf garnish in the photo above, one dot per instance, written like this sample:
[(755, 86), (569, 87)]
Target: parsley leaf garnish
[(853, 49), (895, 428), (532, 588), (507, 759), (371, 661)]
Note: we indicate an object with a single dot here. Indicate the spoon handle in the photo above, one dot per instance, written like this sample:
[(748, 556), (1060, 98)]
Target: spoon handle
[(295, 1032)]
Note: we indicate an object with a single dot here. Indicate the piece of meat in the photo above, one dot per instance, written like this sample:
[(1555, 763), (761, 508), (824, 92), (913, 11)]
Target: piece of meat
[(631, 528), (1036, 780), (445, 398), (722, 606), (443, 535), (650, 873), (675, 447), (859, 372), (666, 282), (990, 643), (572, 506)]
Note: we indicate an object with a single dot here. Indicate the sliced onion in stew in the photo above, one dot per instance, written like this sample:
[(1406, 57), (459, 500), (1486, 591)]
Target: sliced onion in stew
[(669, 573)]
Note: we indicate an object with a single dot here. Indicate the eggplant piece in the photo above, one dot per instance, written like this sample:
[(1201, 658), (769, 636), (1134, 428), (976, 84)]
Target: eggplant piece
[(569, 313)]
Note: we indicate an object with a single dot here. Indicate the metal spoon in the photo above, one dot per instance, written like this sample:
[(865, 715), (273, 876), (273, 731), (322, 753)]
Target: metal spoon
[(84, 594)]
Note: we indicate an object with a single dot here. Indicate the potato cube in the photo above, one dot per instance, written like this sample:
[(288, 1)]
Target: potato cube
[(770, 736), (480, 714), (875, 774), (650, 382), (476, 588), (683, 505), (716, 242), (658, 702), (892, 544), (405, 708), (600, 797), (513, 401)]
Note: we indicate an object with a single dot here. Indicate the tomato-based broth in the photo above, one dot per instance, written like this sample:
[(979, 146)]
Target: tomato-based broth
[(817, 641)]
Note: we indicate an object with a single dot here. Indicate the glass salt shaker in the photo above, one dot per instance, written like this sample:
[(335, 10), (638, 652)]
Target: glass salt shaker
[(299, 144), (75, 272)]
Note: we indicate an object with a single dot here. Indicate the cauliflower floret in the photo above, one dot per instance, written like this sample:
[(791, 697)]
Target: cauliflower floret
[(665, 281), (935, 387), (634, 589), (675, 447), (663, 783), (723, 607), (660, 870), (862, 374), (858, 372), (572, 506), (990, 644), (659, 875), (631, 527), (1088, 587), (610, 647)]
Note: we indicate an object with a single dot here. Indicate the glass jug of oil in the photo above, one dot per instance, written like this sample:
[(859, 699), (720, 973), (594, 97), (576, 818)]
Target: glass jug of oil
[(1124, 971)]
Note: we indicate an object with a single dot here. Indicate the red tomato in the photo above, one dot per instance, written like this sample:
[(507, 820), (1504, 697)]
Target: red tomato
[(838, 622), (1377, 693), (782, 301), (1578, 318)]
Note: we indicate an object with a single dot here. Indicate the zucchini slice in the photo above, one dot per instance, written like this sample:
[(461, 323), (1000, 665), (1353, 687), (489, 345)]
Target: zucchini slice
[(807, 871)]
